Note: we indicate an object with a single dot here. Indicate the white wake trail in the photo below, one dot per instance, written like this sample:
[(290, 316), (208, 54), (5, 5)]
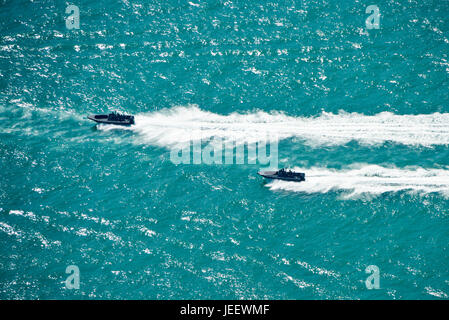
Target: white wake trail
[(180, 125), (362, 179)]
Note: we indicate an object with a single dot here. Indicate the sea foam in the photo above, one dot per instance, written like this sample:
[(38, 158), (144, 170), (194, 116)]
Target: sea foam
[(180, 125), (366, 179)]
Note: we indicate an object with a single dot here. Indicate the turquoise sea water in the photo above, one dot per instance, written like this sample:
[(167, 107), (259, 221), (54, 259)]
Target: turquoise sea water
[(363, 112)]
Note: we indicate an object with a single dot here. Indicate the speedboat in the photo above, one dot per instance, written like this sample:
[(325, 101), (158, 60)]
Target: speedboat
[(112, 118), (283, 174)]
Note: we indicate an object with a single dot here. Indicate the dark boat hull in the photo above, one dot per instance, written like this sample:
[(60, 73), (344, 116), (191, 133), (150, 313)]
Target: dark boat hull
[(273, 175), (103, 118)]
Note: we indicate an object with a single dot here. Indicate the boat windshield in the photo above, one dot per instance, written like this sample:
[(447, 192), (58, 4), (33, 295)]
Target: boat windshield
[(114, 116)]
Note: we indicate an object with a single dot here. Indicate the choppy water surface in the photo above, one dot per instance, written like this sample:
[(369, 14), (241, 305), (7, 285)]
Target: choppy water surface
[(363, 112)]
